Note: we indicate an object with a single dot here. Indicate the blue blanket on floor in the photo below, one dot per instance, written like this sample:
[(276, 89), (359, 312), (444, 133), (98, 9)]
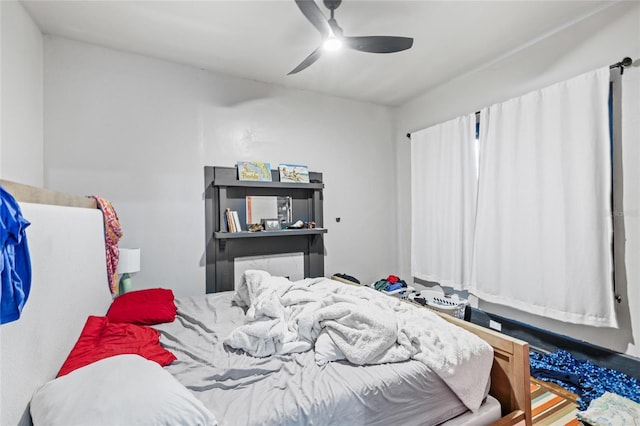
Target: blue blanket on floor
[(582, 377)]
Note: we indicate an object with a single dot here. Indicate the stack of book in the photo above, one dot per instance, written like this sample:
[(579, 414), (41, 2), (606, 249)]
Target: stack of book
[(233, 223)]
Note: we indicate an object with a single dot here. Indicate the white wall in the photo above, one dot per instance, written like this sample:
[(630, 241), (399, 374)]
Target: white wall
[(560, 56), (138, 131), (21, 148)]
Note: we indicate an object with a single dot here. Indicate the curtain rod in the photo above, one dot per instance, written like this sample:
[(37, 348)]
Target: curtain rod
[(625, 62)]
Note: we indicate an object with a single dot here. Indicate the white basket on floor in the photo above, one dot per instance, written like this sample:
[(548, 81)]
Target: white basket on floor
[(438, 302)]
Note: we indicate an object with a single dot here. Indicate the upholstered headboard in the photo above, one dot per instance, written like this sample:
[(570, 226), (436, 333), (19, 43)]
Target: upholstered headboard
[(69, 283)]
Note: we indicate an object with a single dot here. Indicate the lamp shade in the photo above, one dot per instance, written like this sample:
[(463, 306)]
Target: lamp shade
[(129, 261)]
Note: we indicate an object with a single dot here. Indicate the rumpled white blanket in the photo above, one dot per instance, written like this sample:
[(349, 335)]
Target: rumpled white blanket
[(360, 325)]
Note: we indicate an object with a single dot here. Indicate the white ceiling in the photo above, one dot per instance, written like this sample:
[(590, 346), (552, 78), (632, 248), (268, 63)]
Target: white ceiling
[(263, 40)]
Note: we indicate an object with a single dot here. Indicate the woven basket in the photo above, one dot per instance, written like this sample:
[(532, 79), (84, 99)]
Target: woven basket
[(441, 303)]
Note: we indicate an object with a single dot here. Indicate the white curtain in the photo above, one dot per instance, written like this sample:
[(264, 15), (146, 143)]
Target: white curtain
[(543, 229), (443, 190)]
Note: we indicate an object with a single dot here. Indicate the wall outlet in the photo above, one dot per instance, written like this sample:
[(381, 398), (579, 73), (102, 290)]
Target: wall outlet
[(495, 325)]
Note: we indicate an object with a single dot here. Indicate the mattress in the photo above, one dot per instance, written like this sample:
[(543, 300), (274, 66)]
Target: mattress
[(292, 389), (489, 412)]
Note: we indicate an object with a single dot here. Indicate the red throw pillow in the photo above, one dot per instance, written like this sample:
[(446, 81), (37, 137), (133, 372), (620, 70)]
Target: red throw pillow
[(143, 307), (100, 339)]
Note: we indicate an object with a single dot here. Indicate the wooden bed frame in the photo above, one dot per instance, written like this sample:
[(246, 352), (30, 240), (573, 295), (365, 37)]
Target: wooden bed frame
[(509, 374), (31, 194), (510, 379)]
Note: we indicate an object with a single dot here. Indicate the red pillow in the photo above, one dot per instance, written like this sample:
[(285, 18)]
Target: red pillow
[(143, 307), (100, 339)]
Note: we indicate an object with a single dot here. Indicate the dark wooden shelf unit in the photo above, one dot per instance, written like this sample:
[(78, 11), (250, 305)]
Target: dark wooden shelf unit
[(223, 190)]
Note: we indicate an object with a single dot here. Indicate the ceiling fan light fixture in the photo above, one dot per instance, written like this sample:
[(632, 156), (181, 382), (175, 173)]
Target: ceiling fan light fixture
[(332, 44), (332, 35)]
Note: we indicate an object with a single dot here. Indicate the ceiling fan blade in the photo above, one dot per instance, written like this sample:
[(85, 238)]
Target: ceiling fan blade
[(378, 44), (308, 61), (312, 12)]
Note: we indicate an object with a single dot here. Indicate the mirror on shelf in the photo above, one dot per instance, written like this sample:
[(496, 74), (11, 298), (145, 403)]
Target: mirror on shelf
[(285, 215), (268, 207)]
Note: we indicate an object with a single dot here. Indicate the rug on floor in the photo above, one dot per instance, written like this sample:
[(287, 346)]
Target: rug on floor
[(549, 408), (582, 377)]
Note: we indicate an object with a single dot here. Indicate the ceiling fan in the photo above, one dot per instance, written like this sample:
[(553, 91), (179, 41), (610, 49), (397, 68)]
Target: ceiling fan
[(332, 35)]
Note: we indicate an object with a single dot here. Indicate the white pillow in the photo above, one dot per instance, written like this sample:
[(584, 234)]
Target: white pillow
[(119, 390)]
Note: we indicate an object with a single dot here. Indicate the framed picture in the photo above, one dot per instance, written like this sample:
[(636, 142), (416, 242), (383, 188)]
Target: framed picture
[(293, 173), (254, 171)]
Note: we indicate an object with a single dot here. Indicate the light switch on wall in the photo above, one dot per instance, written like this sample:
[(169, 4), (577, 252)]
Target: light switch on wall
[(495, 325)]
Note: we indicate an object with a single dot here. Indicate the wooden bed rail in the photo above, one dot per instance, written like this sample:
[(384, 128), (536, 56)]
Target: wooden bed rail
[(514, 418), (31, 194)]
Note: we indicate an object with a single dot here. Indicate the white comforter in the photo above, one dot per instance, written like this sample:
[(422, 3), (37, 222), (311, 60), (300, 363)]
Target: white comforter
[(360, 325)]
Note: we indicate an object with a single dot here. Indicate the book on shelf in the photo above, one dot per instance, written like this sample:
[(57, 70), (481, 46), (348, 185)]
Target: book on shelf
[(232, 220), (228, 220), (236, 221)]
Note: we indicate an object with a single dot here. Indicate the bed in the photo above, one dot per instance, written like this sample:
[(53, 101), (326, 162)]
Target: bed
[(509, 373), (292, 388)]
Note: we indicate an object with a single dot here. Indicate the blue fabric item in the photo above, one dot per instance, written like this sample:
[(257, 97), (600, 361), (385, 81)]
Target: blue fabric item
[(592, 381), (570, 378), (391, 287), (15, 267)]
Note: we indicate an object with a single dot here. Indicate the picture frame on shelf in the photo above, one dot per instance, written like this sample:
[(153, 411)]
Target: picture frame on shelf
[(293, 173), (254, 171), (270, 224)]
